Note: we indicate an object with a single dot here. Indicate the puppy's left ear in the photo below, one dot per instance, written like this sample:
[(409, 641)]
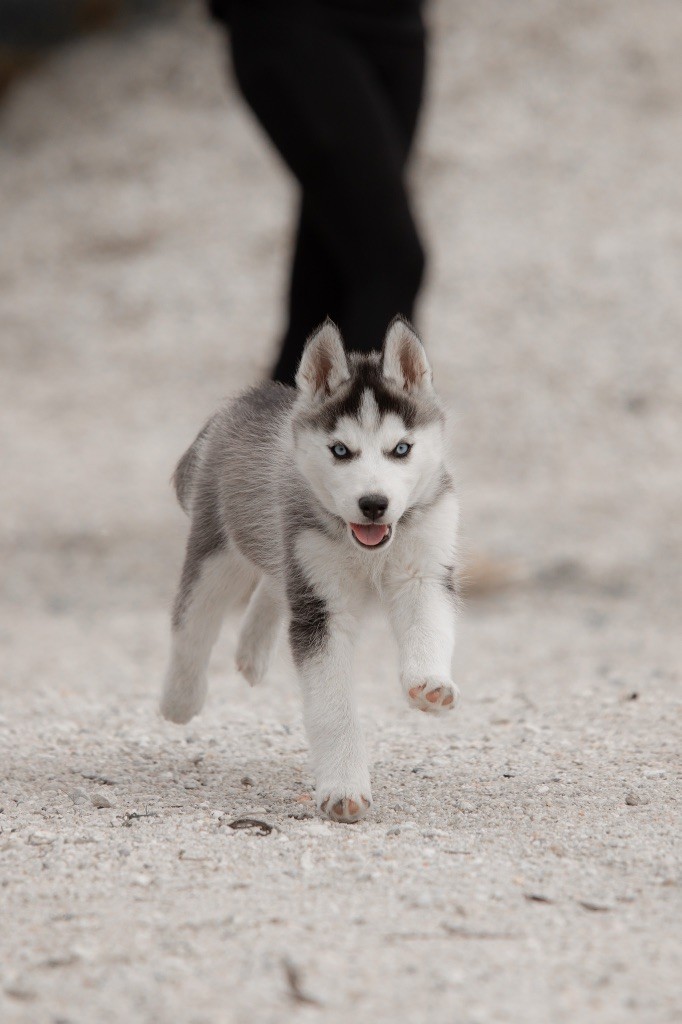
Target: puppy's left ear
[(403, 359), (323, 367)]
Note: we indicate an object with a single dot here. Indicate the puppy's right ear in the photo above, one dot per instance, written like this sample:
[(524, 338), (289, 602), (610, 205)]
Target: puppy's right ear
[(323, 366)]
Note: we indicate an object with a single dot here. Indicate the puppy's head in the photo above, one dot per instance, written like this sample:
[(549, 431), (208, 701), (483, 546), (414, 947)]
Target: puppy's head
[(368, 430)]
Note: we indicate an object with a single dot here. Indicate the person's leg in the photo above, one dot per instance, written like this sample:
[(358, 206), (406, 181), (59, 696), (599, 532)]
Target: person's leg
[(395, 48), (315, 293), (324, 109)]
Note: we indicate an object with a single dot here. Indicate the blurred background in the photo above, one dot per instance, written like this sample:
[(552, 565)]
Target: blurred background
[(145, 224), (143, 260)]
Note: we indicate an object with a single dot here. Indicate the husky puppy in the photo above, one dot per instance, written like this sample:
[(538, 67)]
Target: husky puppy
[(314, 500)]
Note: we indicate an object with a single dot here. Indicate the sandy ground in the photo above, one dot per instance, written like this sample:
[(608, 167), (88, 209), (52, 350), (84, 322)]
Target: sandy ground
[(521, 863)]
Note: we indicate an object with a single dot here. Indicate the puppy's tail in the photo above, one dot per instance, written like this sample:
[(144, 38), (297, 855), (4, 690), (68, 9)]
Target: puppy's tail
[(185, 472)]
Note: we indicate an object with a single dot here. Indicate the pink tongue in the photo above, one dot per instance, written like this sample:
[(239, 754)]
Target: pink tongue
[(371, 534)]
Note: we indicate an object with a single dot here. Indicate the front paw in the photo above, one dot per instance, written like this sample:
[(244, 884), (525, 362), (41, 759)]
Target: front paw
[(252, 667), (433, 694), (343, 804)]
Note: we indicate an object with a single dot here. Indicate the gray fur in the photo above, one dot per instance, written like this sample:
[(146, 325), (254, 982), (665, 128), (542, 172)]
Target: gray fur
[(184, 473), (309, 623), (237, 480), (366, 375), (207, 537), (280, 516)]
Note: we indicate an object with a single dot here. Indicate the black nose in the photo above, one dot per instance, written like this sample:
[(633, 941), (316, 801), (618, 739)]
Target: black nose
[(373, 505)]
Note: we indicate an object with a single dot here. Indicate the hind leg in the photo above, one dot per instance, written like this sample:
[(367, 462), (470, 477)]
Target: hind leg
[(260, 630), (211, 579)]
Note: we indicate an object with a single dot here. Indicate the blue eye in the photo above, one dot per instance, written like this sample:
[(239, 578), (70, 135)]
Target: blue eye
[(402, 449), (340, 451)]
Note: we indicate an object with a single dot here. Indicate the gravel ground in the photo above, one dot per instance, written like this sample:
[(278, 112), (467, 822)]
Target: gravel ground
[(522, 863)]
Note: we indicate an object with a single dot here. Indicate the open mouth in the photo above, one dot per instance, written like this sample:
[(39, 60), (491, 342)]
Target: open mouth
[(371, 535)]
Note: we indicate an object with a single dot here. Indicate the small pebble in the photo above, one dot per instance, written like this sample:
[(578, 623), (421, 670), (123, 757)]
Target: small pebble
[(103, 800), (634, 799), (42, 838), (595, 906), (18, 987)]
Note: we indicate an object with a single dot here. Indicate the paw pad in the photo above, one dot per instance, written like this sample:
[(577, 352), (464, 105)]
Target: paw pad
[(348, 809), (433, 695)]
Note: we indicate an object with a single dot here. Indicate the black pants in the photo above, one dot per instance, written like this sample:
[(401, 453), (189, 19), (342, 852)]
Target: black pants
[(338, 92)]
